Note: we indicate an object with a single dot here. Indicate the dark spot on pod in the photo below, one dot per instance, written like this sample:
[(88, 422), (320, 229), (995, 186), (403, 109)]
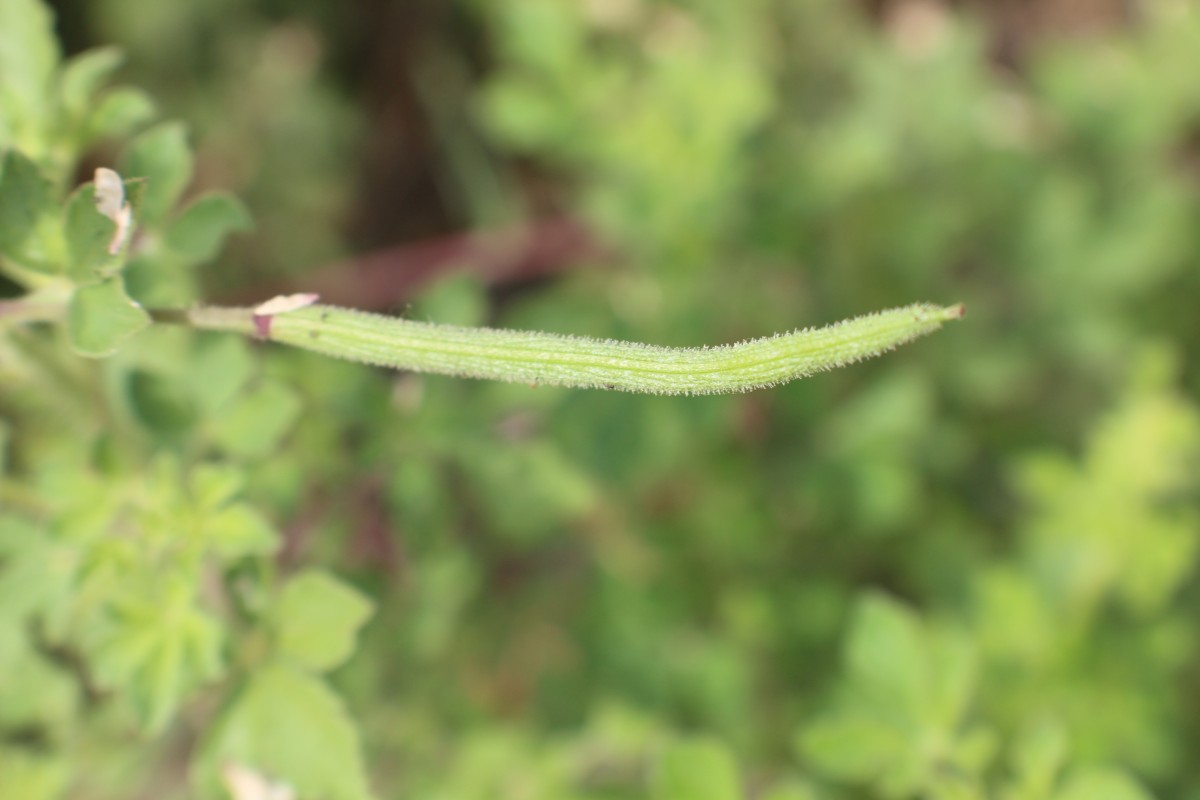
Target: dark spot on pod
[(314, 334), (324, 316)]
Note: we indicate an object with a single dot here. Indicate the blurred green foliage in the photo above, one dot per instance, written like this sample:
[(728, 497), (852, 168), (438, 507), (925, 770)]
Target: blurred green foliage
[(964, 571)]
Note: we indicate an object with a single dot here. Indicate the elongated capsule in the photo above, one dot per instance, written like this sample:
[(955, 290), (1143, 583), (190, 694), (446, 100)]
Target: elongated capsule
[(546, 358)]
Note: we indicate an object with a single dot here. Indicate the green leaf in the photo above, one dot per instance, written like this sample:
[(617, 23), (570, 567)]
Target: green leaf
[(28, 57), (522, 114), (950, 671), (88, 234), (791, 791), (289, 726), (101, 316), (1105, 526), (239, 531), (254, 425), (900, 722), (156, 280), (32, 775), (160, 155), (885, 655), (454, 300), (30, 226), (1102, 784), (119, 113), (533, 487), (135, 195), (851, 747), (1038, 757), (317, 617), (37, 693), (156, 647), (84, 75), (34, 570), (161, 404), (218, 369), (200, 231), (697, 770), (211, 486)]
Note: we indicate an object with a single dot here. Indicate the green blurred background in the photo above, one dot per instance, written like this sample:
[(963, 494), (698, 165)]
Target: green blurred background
[(881, 582)]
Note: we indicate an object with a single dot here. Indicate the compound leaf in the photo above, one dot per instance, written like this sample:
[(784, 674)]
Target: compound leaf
[(157, 649)]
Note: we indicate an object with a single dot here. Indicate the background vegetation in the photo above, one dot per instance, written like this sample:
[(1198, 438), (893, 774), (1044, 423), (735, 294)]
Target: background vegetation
[(962, 571)]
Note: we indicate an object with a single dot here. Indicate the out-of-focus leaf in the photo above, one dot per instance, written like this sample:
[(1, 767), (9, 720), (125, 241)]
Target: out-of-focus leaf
[(1103, 526), (1038, 756), (30, 226), (521, 113), (156, 650), (119, 113), (211, 486), (89, 234), (885, 655), (162, 156), (162, 404), (28, 57), (1102, 784), (239, 531), (47, 696), (317, 618), (697, 770), (101, 316), (908, 684), (455, 300), (197, 235), (851, 747), (217, 370), (792, 791), (254, 424), (31, 775), (532, 487), (35, 571), (84, 75), (545, 34), (288, 725)]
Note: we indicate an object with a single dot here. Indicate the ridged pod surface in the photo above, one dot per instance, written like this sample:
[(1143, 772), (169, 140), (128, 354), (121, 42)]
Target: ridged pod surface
[(553, 359)]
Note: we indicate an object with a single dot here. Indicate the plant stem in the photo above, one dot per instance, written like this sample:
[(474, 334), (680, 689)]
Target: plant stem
[(545, 358), (23, 311), (47, 304)]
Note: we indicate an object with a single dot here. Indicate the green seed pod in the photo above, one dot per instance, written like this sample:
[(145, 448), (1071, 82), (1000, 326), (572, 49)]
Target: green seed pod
[(546, 358)]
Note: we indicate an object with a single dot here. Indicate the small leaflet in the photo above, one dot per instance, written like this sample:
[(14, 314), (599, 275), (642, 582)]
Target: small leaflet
[(110, 201), (244, 783)]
